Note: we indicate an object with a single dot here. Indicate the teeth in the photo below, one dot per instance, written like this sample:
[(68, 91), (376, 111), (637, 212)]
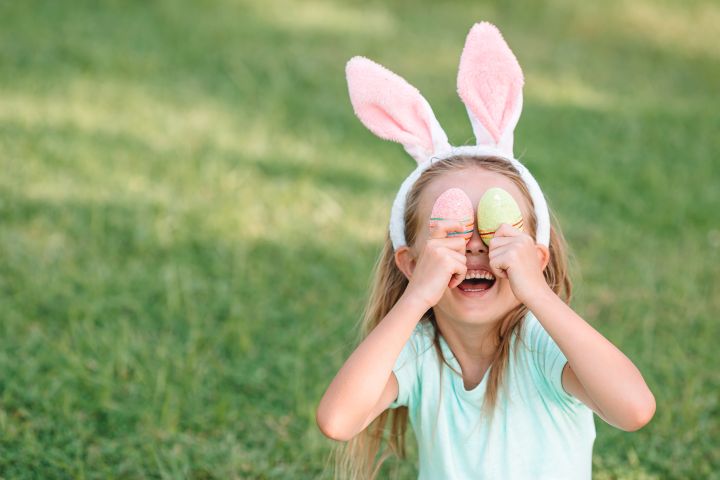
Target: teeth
[(479, 274)]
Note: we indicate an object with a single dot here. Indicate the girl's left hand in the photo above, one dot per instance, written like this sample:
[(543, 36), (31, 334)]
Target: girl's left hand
[(515, 255)]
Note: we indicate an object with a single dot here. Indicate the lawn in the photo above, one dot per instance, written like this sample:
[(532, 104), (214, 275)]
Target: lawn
[(190, 211)]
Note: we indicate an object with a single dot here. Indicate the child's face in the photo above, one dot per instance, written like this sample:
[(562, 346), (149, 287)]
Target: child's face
[(499, 299)]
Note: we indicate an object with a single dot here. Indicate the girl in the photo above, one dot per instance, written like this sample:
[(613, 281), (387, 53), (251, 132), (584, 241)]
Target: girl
[(499, 377)]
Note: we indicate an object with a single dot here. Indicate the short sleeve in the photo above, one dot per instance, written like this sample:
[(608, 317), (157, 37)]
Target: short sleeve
[(549, 361), (407, 371)]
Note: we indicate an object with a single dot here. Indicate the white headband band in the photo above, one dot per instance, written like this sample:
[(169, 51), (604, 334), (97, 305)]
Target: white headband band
[(490, 85)]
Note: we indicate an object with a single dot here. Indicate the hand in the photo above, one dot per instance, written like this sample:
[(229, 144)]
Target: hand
[(441, 263), (514, 255)]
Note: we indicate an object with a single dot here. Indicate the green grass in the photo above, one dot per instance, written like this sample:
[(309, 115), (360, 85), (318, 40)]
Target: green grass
[(189, 212)]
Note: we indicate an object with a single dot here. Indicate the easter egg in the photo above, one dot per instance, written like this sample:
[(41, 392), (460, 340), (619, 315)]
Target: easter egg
[(454, 204), (496, 207)]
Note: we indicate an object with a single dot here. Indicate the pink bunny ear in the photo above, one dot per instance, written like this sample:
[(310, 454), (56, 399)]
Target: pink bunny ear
[(393, 109), (490, 84)]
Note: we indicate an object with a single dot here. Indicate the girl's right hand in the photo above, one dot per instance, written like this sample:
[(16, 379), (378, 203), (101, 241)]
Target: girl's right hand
[(441, 264)]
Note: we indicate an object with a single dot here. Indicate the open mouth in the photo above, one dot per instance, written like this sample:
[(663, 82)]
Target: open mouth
[(476, 285)]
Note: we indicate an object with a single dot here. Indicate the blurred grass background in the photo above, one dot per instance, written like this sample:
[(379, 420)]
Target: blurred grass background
[(189, 212)]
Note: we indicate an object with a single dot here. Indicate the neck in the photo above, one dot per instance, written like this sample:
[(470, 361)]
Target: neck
[(474, 347), (469, 342)]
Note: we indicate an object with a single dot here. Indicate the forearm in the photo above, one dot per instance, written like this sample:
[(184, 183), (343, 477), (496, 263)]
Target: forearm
[(609, 378), (358, 385)]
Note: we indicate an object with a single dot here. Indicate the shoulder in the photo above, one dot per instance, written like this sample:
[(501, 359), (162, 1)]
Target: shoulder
[(532, 333), (409, 366), (546, 360), (421, 339), (418, 348), (533, 337), (531, 324)]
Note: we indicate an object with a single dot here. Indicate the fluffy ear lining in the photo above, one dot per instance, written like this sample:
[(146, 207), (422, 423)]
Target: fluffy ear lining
[(393, 109), (490, 83)]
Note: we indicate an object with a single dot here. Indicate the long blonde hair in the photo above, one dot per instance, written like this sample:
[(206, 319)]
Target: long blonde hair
[(357, 459)]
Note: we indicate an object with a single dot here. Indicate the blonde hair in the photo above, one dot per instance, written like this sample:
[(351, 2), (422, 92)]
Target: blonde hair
[(356, 458)]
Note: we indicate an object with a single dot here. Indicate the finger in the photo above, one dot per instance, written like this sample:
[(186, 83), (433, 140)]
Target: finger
[(441, 228), (456, 244), (498, 263), (497, 242), (499, 251), (444, 228), (466, 230), (457, 264), (507, 230), (458, 276), (452, 253), (461, 267), (460, 257)]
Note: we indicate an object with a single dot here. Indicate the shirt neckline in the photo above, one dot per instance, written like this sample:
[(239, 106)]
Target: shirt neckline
[(478, 390)]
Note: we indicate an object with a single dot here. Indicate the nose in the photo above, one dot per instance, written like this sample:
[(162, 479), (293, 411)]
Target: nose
[(476, 245)]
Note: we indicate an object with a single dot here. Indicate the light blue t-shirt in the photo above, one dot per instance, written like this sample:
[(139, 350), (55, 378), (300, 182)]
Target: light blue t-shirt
[(538, 432)]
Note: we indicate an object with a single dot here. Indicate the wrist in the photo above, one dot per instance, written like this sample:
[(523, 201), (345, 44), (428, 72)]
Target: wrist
[(414, 303), (542, 296)]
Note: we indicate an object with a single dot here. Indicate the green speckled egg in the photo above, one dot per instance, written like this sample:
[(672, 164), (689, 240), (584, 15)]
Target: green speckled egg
[(496, 207)]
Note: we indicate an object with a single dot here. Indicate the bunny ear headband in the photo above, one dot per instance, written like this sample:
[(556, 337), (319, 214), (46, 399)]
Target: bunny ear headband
[(489, 84)]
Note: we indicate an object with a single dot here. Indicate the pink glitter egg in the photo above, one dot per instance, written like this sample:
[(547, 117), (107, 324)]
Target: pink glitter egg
[(454, 204)]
